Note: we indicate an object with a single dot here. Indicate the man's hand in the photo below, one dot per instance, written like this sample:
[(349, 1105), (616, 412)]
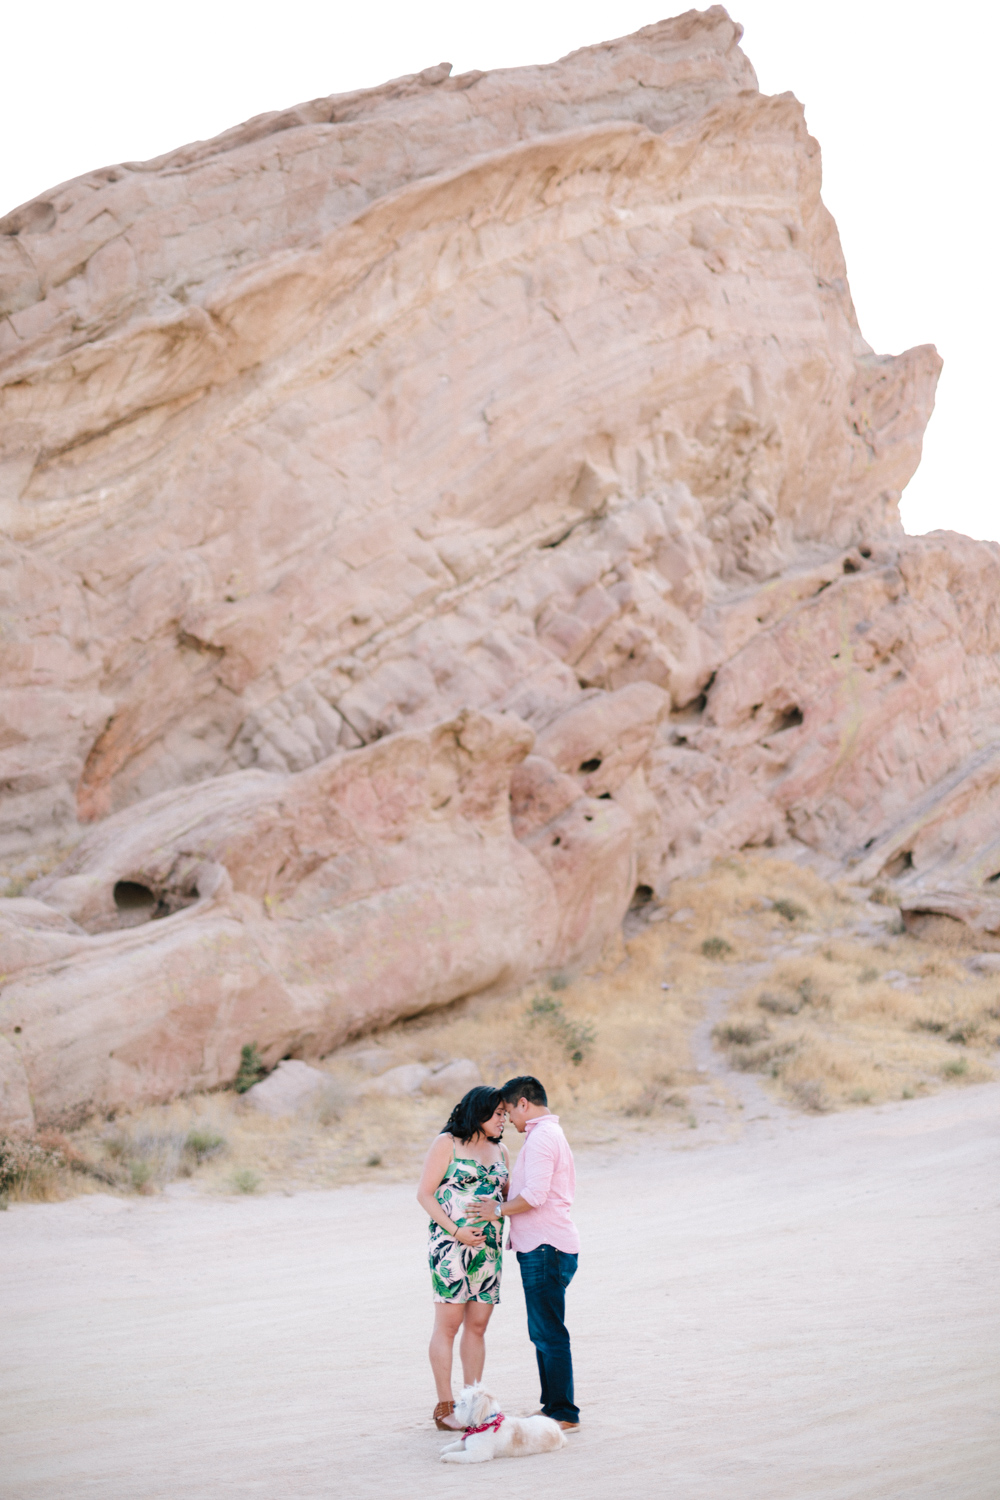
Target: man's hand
[(486, 1212)]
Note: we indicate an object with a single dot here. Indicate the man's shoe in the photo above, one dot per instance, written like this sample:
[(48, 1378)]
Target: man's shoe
[(570, 1426)]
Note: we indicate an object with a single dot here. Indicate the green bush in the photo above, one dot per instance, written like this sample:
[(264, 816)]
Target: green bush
[(251, 1070), (203, 1143), (716, 947), (574, 1036), (245, 1180)]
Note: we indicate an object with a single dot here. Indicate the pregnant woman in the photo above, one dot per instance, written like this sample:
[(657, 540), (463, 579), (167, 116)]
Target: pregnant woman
[(466, 1167)]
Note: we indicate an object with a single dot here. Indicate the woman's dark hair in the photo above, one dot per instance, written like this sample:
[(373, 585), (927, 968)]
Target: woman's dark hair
[(472, 1111), (524, 1087)]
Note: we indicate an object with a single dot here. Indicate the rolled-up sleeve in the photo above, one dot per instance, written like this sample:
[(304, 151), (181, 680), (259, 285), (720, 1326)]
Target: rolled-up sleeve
[(540, 1157)]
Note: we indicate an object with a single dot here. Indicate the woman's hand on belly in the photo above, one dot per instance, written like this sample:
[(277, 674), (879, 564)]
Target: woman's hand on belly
[(469, 1234)]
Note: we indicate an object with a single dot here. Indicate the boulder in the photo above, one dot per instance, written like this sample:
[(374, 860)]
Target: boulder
[(397, 1083), (284, 1091), (453, 1079)]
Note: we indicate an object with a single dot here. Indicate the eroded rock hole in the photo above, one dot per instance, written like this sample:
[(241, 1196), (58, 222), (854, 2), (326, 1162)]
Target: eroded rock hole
[(135, 903), (992, 879), (790, 719), (850, 566), (898, 865), (591, 765), (132, 897), (642, 896)]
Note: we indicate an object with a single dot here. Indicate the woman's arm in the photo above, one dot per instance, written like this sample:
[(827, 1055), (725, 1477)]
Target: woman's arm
[(506, 1161), (435, 1166)]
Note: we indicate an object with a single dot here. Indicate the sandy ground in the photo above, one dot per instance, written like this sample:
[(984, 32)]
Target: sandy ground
[(775, 1308)]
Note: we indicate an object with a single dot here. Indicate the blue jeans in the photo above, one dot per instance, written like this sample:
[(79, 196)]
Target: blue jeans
[(545, 1275)]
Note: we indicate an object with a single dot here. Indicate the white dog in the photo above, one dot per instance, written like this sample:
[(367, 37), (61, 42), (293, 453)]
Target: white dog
[(492, 1435)]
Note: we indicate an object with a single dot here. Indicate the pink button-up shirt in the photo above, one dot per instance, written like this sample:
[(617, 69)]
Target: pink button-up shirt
[(544, 1175)]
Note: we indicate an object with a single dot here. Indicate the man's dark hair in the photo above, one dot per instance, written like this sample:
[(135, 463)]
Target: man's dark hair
[(524, 1088)]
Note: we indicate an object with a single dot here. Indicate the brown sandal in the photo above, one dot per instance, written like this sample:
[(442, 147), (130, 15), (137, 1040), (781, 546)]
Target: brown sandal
[(442, 1410)]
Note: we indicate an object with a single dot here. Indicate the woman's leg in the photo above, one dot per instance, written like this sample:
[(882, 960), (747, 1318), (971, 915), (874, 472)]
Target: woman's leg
[(447, 1321), (472, 1350)]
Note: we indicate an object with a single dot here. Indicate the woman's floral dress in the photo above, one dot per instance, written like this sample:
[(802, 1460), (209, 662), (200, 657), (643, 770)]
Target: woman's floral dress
[(467, 1273)]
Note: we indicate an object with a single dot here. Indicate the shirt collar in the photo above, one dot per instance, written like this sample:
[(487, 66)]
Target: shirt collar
[(529, 1125)]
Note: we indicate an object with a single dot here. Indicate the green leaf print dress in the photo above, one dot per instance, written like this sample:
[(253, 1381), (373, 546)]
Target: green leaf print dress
[(466, 1273)]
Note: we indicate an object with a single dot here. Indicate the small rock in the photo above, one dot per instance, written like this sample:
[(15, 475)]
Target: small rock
[(397, 1082), (984, 963), (286, 1089), (455, 1078), (684, 915), (368, 1059)]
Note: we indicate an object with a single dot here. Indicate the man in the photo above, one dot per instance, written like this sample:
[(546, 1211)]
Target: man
[(544, 1236)]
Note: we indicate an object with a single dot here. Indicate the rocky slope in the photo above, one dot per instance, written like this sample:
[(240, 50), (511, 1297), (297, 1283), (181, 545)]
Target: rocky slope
[(430, 513)]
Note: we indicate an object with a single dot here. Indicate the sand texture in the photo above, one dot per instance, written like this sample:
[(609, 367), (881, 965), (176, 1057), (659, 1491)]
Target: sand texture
[(786, 1307)]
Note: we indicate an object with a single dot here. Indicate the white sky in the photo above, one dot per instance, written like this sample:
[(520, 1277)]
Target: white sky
[(901, 100)]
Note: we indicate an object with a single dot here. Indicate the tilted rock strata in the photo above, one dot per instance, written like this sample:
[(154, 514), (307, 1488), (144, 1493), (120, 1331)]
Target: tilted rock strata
[(294, 477), (536, 393), (299, 910)]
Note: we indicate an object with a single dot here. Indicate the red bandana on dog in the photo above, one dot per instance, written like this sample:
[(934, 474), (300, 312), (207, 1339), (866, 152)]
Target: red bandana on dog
[(493, 1424)]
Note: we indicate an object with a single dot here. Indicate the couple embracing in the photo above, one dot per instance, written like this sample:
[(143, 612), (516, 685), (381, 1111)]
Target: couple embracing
[(468, 1190)]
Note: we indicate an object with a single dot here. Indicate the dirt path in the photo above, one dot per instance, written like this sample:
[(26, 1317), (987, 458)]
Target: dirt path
[(779, 1308)]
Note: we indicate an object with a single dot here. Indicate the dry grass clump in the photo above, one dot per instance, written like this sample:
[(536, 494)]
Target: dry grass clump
[(611, 1046), (857, 1023), (828, 1019)]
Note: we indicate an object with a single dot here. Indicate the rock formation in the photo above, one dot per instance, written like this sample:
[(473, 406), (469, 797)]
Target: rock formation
[(429, 513)]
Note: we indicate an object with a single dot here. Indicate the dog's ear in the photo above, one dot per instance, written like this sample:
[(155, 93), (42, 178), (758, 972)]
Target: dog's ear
[(483, 1403)]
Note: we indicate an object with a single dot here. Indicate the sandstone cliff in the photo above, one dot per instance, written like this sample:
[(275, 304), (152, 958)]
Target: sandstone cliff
[(429, 513)]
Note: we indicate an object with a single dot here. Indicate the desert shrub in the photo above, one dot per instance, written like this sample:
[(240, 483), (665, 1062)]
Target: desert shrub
[(656, 1096), (779, 1005), (882, 895), (810, 1094), (329, 1104), (202, 1143), (956, 1068), (140, 1173), (716, 947), (741, 1033), (762, 1057), (245, 1180), (22, 1163), (144, 1159), (789, 909), (868, 975), (575, 1037), (251, 1070)]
